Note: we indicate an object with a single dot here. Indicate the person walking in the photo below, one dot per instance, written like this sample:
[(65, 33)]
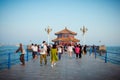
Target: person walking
[(77, 51), (84, 49), (35, 50), (32, 47), (90, 51), (54, 57), (59, 52), (48, 50), (22, 51), (70, 50), (43, 53), (80, 55)]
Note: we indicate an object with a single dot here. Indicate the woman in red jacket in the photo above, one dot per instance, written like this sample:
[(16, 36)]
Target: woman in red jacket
[(77, 51)]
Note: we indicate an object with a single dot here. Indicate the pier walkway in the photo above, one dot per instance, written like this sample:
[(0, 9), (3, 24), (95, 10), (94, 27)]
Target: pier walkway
[(86, 68)]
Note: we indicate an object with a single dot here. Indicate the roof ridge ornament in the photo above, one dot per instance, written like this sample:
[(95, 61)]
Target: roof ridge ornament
[(65, 27)]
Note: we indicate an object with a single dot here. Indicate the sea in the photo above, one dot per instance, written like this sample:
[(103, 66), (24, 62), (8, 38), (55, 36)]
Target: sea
[(113, 55), (14, 57)]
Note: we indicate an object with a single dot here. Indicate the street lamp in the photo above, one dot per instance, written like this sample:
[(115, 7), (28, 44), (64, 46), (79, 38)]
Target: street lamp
[(48, 30), (84, 30)]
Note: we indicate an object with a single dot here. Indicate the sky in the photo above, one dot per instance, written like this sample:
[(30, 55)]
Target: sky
[(24, 21)]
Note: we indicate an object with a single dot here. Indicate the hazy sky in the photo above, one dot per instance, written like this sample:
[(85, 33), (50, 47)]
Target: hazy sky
[(25, 20)]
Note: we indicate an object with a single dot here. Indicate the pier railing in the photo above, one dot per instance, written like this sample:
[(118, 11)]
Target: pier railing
[(10, 58), (107, 56)]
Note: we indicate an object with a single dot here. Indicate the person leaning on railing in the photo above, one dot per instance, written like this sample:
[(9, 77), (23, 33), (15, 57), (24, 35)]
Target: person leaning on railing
[(22, 51)]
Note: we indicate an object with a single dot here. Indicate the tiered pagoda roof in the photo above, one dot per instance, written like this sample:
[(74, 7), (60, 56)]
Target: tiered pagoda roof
[(65, 31), (66, 39), (61, 36)]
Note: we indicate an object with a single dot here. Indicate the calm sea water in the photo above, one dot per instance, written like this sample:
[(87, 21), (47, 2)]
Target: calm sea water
[(4, 50), (113, 55)]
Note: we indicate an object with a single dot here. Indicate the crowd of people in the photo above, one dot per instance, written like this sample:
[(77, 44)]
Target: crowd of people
[(54, 51)]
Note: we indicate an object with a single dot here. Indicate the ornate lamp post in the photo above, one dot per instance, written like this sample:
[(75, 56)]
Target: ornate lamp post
[(84, 30), (48, 30), (99, 42)]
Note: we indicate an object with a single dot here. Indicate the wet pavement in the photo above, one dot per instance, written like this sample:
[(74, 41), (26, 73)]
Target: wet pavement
[(86, 68)]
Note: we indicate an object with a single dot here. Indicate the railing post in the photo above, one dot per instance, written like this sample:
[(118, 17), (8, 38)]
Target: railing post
[(95, 52), (9, 61), (106, 57), (27, 55)]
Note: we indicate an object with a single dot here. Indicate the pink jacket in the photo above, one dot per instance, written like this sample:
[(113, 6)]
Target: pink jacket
[(77, 50)]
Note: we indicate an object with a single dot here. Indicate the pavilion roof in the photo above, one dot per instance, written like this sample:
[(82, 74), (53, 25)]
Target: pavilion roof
[(66, 39), (64, 31)]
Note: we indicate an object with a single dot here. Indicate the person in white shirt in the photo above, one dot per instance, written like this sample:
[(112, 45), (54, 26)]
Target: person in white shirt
[(21, 49), (43, 53), (70, 50), (35, 50), (59, 52)]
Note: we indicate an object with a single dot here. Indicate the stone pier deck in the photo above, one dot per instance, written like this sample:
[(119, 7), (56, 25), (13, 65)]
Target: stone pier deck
[(86, 68)]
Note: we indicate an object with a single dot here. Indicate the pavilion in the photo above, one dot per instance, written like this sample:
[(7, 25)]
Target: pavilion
[(65, 37)]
